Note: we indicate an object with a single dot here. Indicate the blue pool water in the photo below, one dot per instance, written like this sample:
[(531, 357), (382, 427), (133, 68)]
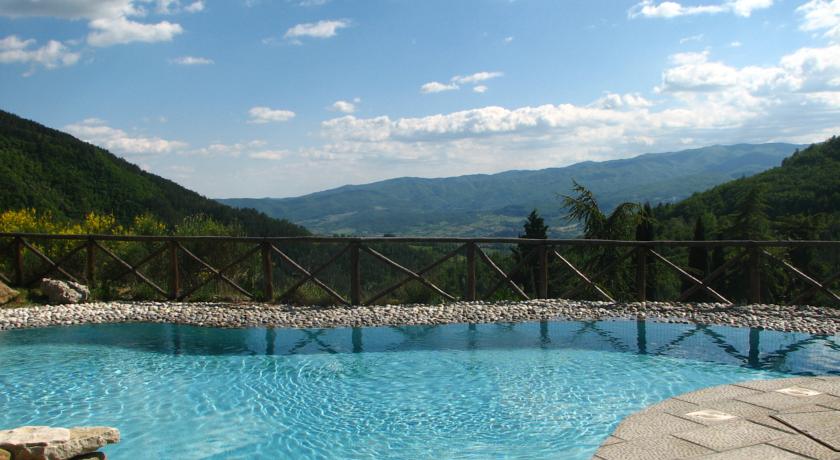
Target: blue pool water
[(531, 390)]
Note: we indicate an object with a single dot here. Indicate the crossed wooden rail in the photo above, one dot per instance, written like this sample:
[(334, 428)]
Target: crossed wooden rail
[(542, 250)]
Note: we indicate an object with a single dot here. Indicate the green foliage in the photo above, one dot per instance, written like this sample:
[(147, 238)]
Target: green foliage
[(53, 172)]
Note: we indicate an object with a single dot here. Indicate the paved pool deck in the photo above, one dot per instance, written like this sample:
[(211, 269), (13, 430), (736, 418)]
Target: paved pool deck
[(793, 418)]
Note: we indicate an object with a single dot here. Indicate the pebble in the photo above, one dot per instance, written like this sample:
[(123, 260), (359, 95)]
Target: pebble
[(802, 318)]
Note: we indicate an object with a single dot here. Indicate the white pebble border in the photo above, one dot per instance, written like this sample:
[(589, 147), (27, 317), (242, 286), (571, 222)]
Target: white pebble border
[(809, 319)]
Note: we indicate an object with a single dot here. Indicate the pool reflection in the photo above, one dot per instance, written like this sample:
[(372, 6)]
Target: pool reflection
[(755, 348)]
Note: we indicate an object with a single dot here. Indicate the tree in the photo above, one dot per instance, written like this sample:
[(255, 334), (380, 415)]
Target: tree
[(535, 228), (645, 232), (618, 225), (698, 259)]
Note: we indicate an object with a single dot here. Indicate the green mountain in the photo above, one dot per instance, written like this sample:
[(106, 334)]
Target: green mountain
[(46, 169), (487, 205), (799, 199)]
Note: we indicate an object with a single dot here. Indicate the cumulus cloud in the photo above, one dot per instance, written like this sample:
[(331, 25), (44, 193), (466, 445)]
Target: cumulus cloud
[(320, 29), (220, 149), (700, 101), (273, 155), (191, 60), (52, 55), (111, 22), (261, 115), (475, 78), (346, 106), (458, 80), (821, 16), (96, 131), (671, 9), (437, 87)]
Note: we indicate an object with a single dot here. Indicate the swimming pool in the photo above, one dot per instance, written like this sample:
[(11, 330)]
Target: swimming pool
[(528, 390)]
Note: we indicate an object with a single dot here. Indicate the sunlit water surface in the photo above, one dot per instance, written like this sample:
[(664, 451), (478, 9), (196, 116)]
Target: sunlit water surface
[(532, 390)]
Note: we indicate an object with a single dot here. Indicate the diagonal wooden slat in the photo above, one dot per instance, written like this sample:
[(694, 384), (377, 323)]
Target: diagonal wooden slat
[(422, 271), (408, 272), (813, 290), (53, 265), (131, 269), (712, 276), (58, 263), (487, 260), (218, 273), (531, 255), (582, 276), (568, 294), (687, 275), (143, 261), (814, 283), (311, 276)]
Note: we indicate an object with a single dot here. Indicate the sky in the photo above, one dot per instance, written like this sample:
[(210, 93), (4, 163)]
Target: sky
[(276, 98)]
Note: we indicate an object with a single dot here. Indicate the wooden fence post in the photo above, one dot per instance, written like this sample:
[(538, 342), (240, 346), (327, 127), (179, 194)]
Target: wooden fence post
[(542, 283), (90, 263), (755, 274), (174, 273), (641, 273), (470, 294), (268, 272), (355, 275), (19, 261)]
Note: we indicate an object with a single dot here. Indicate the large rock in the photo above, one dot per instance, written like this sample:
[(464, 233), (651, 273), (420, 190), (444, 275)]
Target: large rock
[(64, 291), (46, 443), (5, 455), (7, 294)]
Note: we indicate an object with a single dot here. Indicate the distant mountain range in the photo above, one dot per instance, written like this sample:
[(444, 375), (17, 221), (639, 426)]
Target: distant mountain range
[(496, 204), (49, 170)]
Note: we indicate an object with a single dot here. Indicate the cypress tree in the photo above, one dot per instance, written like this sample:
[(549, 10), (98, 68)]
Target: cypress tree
[(698, 259)]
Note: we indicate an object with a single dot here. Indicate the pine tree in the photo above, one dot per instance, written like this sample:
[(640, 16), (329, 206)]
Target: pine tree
[(645, 232), (535, 228), (698, 260)]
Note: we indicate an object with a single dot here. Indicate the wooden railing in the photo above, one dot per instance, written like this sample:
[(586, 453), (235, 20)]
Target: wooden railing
[(180, 271)]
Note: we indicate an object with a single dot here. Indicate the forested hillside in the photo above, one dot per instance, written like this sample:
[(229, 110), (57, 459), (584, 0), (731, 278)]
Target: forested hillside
[(798, 200), (52, 171), (487, 205)]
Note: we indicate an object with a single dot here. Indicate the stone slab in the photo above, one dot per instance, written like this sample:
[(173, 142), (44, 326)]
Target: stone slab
[(761, 451), (652, 424), (740, 433), (806, 446), (718, 393), (664, 448)]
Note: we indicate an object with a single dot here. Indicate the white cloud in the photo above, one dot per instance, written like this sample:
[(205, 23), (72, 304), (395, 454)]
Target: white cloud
[(116, 31), (97, 132), (191, 60), (220, 149), (195, 7), (260, 115), (692, 38), (52, 55), (110, 21), (508, 39), (346, 106), (320, 29), (475, 78), (821, 15), (700, 101), (735, 44), (437, 87), (671, 9), (458, 80), (273, 155)]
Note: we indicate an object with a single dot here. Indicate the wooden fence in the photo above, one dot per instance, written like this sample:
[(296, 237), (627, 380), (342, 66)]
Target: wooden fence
[(26, 262)]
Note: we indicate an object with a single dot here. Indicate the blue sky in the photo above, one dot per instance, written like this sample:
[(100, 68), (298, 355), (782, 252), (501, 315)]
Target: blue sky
[(253, 98)]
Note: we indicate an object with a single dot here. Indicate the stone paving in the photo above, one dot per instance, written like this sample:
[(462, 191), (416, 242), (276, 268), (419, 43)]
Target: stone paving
[(794, 418)]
